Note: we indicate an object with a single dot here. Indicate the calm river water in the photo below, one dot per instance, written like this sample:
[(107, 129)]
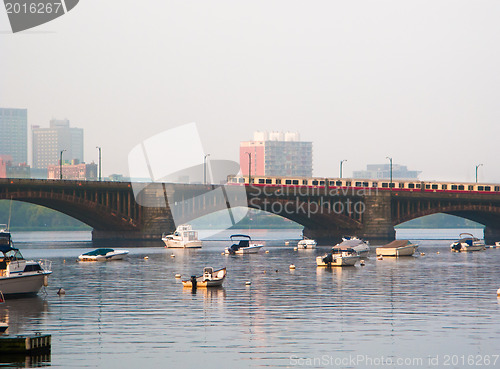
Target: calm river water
[(432, 311)]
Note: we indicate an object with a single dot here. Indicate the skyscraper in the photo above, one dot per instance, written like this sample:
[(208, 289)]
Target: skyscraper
[(14, 134), (276, 154), (49, 142)]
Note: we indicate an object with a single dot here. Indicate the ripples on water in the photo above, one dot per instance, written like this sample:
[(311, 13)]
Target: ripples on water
[(135, 314)]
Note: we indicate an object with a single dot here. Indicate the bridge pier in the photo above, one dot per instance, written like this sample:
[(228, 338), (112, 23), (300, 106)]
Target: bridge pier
[(491, 235)]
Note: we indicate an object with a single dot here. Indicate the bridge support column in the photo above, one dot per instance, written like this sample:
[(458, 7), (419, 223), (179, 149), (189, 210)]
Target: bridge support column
[(377, 219), (491, 235)]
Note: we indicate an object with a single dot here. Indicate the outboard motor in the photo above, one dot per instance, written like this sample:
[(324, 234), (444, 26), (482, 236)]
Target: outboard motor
[(194, 283), (328, 259), (457, 247)]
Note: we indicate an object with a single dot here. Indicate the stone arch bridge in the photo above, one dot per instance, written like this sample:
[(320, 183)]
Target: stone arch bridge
[(115, 213)]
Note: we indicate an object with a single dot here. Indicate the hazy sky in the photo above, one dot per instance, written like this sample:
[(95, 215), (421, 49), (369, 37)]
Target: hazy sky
[(415, 80)]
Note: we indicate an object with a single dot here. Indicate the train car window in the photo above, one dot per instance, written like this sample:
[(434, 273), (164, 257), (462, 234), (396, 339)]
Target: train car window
[(427, 187), (348, 183), (278, 181), (487, 188), (480, 188), (261, 181), (315, 183), (338, 183), (411, 185), (444, 187), (269, 181), (385, 184), (454, 187), (304, 181), (332, 183), (462, 187), (321, 183), (434, 186), (295, 182), (288, 181), (374, 184), (358, 184), (497, 188), (418, 185), (401, 185), (365, 184), (391, 185), (241, 180)]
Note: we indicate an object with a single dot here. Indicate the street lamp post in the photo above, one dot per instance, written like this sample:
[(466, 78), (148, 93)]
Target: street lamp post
[(99, 147), (390, 159), (249, 167), (341, 162), (477, 166), (205, 169), (60, 165)]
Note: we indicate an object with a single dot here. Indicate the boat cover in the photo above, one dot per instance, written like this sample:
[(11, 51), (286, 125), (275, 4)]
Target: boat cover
[(397, 243), (349, 243), (98, 252), (6, 248)]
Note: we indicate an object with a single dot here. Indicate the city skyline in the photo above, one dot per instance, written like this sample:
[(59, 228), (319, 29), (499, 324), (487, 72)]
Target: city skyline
[(361, 81)]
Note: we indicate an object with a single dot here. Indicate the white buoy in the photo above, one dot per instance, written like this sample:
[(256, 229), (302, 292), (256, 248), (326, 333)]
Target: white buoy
[(498, 292), (292, 266), (438, 252), (362, 262), (295, 249), (287, 243), (172, 256), (61, 291), (380, 257), (422, 254), (248, 283), (267, 251), (146, 257), (45, 280), (177, 275)]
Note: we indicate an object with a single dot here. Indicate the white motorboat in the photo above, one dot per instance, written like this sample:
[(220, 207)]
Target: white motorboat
[(397, 248), (104, 255), (467, 242), (17, 275), (183, 238), (210, 278), (244, 246), (361, 247), (306, 244), (338, 257)]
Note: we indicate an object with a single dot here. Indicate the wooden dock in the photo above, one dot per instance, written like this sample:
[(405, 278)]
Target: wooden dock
[(25, 344)]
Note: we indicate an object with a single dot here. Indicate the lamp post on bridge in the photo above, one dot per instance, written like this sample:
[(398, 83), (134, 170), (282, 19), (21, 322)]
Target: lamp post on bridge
[(60, 164), (390, 159), (341, 162), (249, 167), (477, 166), (205, 169), (99, 147)]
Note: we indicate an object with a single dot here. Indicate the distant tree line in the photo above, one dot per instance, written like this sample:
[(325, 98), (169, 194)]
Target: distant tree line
[(30, 217)]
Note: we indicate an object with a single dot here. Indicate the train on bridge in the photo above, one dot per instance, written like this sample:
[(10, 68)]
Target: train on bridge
[(367, 184)]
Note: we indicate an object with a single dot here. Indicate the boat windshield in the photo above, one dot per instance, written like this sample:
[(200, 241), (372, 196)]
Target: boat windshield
[(13, 254)]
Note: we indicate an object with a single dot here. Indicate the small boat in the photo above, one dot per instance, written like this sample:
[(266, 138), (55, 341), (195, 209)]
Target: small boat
[(244, 246), (338, 257), (183, 238), (306, 243), (467, 242), (104, 255), (17, 275), (210, 278), (361, 247), (397, 248)]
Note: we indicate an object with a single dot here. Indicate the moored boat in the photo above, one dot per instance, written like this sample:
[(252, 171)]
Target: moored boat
[(361, 247), (103, 255), (19, 276), (210, 278), (183, 238), (244, 245), (338, 257), (397, 248), (306, 243), (467, 243)]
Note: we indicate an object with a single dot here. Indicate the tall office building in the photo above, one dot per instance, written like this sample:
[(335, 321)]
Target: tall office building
[(49, 142), (276, 154), (14, 134)]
